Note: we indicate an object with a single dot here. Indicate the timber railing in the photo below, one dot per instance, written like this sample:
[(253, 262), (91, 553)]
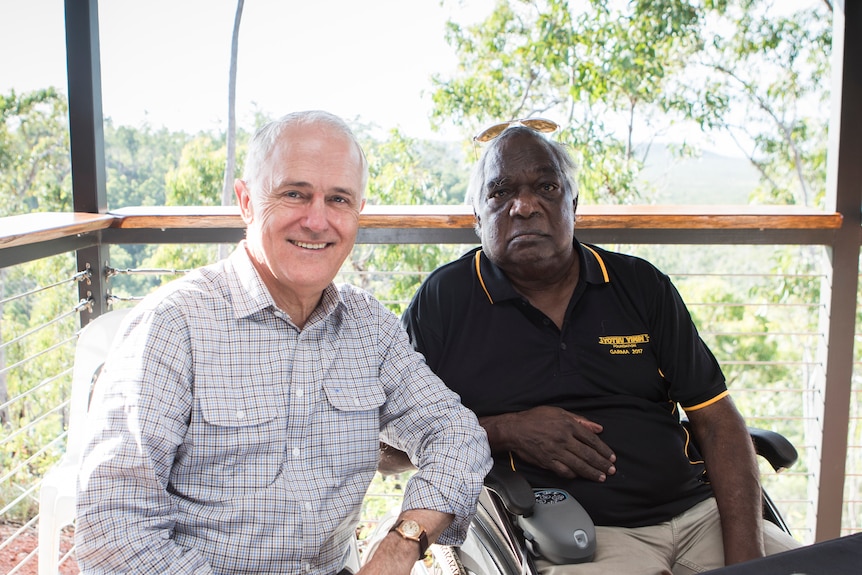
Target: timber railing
[(31, 236)]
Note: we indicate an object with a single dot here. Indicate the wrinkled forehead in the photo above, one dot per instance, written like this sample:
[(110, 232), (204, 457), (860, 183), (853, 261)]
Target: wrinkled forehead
[(518, 154), (315, 152)]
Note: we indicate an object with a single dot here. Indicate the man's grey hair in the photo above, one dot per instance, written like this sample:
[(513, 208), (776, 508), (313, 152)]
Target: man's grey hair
[(560, 153), (264, 139)]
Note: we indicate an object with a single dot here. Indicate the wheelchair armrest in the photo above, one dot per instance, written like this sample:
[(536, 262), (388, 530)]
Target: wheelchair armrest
[(770, 445), (773, 447), (512, 489)]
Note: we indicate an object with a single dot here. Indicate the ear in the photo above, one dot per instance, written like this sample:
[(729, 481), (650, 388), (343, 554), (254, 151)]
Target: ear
[(478, 222), (243, 198)]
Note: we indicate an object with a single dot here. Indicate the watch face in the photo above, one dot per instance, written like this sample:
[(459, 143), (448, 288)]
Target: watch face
[(410, 528)]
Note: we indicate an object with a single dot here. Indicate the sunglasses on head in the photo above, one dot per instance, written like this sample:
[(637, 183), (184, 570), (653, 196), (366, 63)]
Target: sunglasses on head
[(536, 124)]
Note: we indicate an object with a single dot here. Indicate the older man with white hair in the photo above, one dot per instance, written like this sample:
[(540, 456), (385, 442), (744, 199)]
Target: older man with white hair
[(236, 425)]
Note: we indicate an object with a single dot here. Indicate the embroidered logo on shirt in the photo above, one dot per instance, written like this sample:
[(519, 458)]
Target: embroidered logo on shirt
[(625, 344)]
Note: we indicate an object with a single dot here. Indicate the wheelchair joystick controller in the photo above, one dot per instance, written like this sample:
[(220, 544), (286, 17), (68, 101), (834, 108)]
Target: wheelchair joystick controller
[(559, 529)]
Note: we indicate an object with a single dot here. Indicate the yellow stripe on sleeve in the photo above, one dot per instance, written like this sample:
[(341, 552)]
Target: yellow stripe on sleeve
[(721, 395)]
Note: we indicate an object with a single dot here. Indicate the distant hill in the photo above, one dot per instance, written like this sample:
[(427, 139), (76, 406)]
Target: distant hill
[(708, 179)]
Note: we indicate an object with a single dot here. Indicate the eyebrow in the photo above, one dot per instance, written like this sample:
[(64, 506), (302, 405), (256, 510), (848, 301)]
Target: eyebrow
[(291, 184), (307, 185), (547, 170), (493, 184)]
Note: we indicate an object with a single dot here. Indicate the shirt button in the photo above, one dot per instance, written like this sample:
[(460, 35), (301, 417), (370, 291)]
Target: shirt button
[(299, 393), (308, 505), (563, 346), (240, 414), (296, 452), (307, 567), (356, 401)]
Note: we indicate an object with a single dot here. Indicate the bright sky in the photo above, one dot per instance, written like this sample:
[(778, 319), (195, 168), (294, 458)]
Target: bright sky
[(166, 61)]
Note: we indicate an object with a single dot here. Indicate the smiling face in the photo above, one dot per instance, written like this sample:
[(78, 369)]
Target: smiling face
[(302, 211), (525, 210)]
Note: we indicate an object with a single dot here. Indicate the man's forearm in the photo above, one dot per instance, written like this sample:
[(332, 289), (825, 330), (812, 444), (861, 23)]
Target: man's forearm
[(735, 482), (732, 468), (396, 555), (130, 549)]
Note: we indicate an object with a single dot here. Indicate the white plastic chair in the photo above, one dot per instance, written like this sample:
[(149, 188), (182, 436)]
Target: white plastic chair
[(59, 486)]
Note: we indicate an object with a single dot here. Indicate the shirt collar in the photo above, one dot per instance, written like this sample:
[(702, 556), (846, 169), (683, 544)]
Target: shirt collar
[(497, 286), (250, 295)]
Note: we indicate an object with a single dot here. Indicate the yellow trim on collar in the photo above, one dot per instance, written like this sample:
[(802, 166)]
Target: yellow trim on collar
[(479, 275), (722, 395), (601, 262)]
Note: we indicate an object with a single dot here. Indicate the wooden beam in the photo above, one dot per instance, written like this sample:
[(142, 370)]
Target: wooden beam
[(461, 217), (35, 228)]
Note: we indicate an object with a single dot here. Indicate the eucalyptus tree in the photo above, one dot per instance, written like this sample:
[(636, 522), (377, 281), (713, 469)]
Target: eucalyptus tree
[(619, 75), (34, 176)]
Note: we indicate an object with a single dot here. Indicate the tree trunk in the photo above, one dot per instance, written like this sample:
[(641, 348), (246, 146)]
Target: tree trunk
[(227, 194)]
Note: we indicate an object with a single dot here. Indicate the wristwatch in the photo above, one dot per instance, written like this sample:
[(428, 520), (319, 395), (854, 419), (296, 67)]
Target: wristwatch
[(409, 529)]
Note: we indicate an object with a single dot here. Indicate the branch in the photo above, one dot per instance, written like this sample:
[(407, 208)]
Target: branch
[(524, 97), (757, 165), (631, 127), (785, 130)]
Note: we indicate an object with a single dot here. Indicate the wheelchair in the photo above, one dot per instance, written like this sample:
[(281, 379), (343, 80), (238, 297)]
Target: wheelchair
[(516, 523)]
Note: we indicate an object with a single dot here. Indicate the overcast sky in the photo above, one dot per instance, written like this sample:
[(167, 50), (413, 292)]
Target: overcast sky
[(166, 61)]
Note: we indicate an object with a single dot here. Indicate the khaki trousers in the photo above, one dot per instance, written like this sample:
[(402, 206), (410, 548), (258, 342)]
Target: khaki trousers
[(689, 543)]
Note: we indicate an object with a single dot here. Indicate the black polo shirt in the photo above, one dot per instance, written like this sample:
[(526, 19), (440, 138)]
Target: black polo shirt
[(628, 353)]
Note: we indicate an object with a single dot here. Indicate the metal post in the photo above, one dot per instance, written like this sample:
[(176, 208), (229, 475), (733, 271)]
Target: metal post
[(844, 189), (87, 139)]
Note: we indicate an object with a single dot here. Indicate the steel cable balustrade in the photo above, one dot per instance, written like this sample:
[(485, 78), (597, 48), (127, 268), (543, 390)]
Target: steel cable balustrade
[(797, 368)]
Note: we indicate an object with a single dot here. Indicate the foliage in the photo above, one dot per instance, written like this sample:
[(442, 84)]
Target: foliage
[(137, 161), (384, 495), (403, 171), (598, 70), (619, 75), (197, 180), (34, 153), (34, 386), (34, 176), (770, 67)]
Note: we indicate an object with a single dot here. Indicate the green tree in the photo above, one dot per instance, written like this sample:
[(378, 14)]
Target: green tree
[(137, 161), (197, 179), (34, 153), (404, 171), (38, 328), (618, 75), (766, 84), (601, 70)]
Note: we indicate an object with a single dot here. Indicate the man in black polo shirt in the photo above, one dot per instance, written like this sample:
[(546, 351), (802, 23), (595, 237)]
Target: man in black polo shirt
[(576, 361)]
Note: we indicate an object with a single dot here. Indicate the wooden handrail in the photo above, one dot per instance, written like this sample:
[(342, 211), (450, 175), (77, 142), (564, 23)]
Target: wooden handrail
[(41, 227), (461, 216), (33, 228)]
